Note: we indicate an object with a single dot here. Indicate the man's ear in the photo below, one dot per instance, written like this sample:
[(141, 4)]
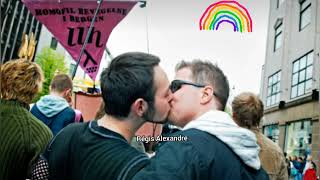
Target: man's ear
[(67, 94), (234, 116), (68, 91), (206, 95), (235, 119), (139, 107)]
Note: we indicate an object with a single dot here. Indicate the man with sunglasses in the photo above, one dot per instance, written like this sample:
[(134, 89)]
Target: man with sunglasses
[(216, 147)]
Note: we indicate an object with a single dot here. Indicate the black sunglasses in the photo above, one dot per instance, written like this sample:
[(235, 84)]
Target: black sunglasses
[(177, 84)]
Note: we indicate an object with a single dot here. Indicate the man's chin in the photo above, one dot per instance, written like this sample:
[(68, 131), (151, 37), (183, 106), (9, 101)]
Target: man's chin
[(163, 121), (172, 119)]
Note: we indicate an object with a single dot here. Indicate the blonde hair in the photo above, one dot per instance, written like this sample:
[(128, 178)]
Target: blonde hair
[(247, 109), (20, 80)]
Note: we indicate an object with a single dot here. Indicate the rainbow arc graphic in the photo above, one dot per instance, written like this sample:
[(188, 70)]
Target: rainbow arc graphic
[(230, 12)]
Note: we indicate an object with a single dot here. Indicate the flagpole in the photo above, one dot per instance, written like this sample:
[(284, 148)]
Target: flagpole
[(147, 29), (87, 38), (109, 53), (144, 5)]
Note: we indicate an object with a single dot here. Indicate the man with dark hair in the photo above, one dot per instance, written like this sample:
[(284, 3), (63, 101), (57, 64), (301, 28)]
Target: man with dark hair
[(135, 89), (216, 148), (247, 111), (54, 109)]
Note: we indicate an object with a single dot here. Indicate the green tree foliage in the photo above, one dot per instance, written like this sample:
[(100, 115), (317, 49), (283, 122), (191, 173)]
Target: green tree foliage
[(228, 110), (51, 63)]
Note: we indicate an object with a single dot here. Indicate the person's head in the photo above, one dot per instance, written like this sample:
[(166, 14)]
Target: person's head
[(135, 86), (294, 158), (309, 158), (21, 80), (199, 86), (247, 110), (61, 85)]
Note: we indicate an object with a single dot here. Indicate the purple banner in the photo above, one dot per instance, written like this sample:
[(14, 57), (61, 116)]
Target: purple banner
[(69, 22)]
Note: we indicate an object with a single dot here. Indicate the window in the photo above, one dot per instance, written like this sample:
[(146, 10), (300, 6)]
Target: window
[(273, 94), (272, 132), (302, 75), (278, 37), (54, 43), (279, 2), (298, 137), (305, 14)]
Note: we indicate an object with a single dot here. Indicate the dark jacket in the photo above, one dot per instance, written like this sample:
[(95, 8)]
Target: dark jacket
[(54, 112), (202, 156), (87, 151), (298, 165), (215, 148)]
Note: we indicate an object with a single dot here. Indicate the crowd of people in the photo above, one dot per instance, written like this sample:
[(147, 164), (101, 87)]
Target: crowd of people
[(301, 168), (48, 143)]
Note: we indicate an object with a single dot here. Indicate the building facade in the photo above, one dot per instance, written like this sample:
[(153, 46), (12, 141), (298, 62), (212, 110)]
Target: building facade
[(290, 79)]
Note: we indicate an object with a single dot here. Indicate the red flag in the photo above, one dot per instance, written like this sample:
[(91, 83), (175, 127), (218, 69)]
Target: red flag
[(69, 22)]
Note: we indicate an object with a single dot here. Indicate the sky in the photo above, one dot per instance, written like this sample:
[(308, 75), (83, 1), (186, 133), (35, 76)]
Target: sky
[(172, 28)]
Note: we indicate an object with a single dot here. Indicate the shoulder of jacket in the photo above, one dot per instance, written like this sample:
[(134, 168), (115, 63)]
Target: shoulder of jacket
[(67, 133), (69, 113), (202, 142), (70, 110)]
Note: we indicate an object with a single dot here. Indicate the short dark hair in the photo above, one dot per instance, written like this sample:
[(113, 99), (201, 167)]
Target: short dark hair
[(204, 72), (248, 109), (61, 82), (129, 76)]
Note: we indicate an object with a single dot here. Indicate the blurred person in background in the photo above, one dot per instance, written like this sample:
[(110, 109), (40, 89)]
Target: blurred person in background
[(247, 111), (298, 164), (308, 163), (54, 109), (310, 173), (22, 136)]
